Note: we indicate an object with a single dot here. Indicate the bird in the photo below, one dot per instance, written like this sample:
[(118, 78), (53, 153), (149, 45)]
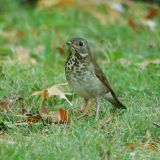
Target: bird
[(86, 78)]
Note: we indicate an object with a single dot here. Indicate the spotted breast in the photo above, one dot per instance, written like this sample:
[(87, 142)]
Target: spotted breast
[(82, 79)]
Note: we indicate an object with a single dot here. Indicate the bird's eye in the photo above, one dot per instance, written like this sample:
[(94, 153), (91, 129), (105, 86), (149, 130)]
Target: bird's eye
[(81, 43)]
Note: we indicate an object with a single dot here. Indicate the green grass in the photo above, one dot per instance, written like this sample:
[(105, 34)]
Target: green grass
[(139, 88)]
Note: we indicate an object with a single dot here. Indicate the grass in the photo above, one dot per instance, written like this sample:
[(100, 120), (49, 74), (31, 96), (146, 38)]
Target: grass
[(124, 136)]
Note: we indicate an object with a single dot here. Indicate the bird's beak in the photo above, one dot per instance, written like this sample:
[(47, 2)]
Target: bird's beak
[(68, 43)]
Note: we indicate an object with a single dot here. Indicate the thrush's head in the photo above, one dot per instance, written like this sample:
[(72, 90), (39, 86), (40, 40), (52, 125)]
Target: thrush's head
[(79, 47)]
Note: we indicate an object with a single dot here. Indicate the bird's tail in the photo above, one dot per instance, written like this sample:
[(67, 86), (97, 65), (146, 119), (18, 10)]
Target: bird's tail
[(112, 98)]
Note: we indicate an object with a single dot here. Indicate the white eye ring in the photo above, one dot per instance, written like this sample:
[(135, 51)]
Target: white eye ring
[(81, 43)]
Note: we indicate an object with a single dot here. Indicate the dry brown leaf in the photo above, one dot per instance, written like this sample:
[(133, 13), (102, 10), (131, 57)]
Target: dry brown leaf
[(64, 116), (131, 146), (150, 145), (34, 118), (59, 117), (20, 34), (53, 91), (132, 23), (60, 50), (151, 13), (142, 23)]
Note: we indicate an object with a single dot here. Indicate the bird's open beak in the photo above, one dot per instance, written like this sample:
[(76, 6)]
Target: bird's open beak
[(68, 43)]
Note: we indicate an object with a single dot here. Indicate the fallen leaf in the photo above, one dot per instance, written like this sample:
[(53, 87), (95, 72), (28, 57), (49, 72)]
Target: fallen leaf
[(132, 23), (59, 117), (20, 34), (131, 146), (151, 13), (142, 23), (34, 118), (53, 91), (150, 144), (60, 50), (63, 115)]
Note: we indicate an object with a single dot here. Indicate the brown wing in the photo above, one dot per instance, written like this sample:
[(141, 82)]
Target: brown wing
[(99, 73), (101, 76)]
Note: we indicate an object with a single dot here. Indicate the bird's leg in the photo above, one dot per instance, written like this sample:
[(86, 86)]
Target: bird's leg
[(85, 106), (97, 109)]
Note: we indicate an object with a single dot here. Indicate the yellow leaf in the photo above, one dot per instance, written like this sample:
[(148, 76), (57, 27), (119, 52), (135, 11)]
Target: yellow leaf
[(53, 91)]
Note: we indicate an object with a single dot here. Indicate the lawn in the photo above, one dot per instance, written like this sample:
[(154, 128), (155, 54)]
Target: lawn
[(32, 57)]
